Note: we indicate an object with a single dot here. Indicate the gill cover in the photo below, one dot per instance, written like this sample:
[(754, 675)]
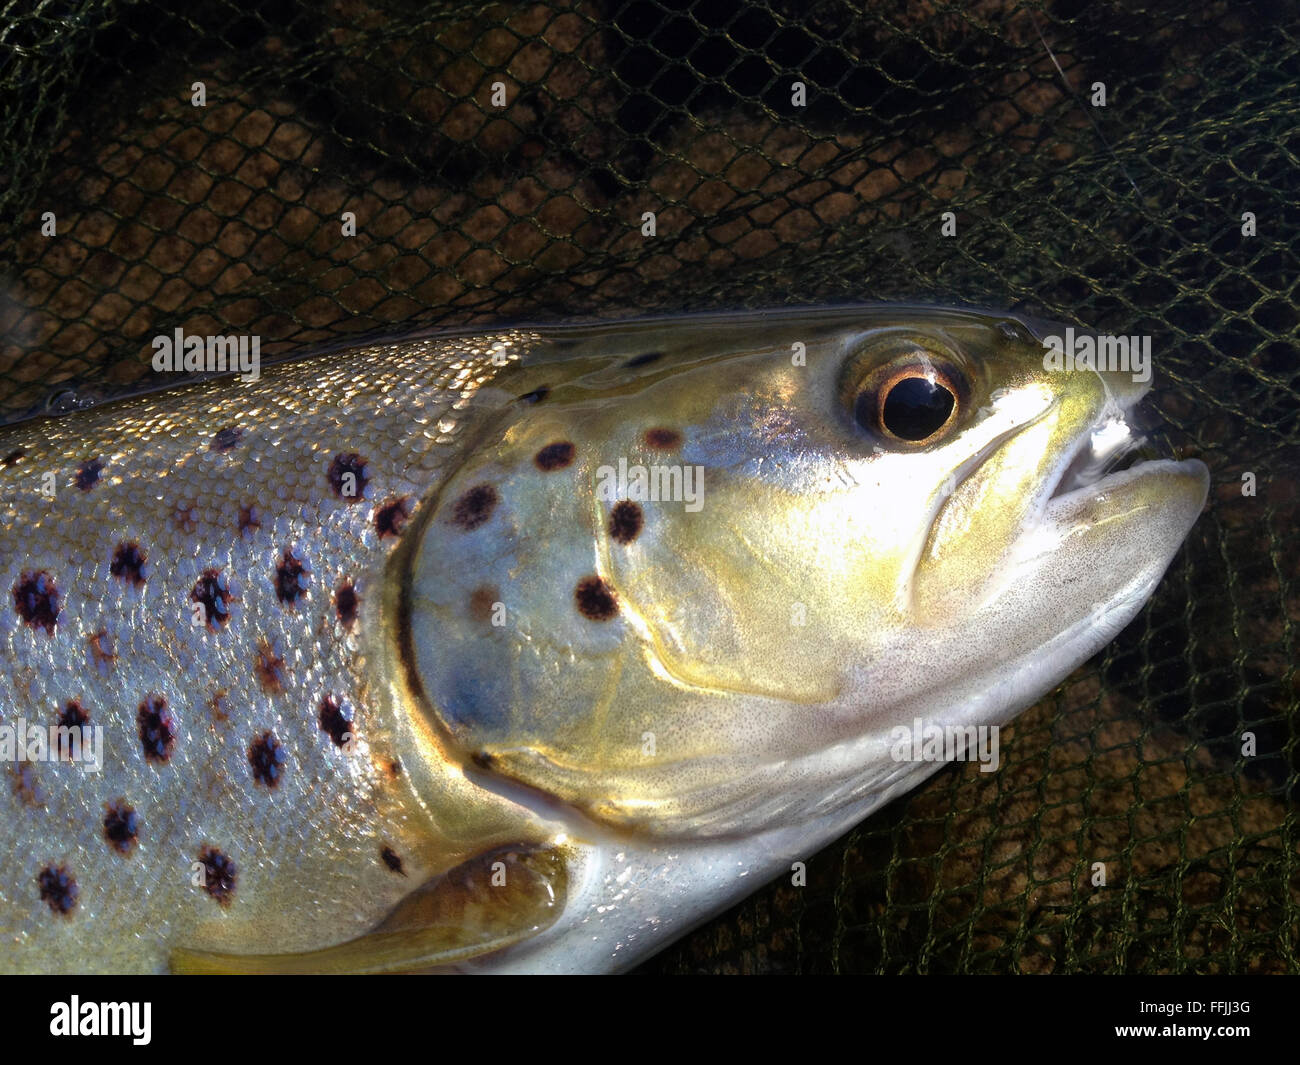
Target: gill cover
[(851, 494)]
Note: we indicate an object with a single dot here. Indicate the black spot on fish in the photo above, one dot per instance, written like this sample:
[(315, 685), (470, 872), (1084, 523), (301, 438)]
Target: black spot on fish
[(267, 756), (36, 598), (250, 518), (394, 769), (292, 576), (121, 826), (536, 395), (58, 889), (474, 507), (87, 475), (269, 668), (348, 476), (157, 728), (219, 875), (393, 860), (483, 759), (336, 720), (643, 360), (482, 601), (390, 519), (213, 593), (226, 439), (625, 521), (12, 458), (347, 603), (128, 563), (73, 715), (554, 456), (596, 599), (663, 439)]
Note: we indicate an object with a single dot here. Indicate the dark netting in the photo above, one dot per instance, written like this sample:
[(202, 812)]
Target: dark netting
[(1128, 217)]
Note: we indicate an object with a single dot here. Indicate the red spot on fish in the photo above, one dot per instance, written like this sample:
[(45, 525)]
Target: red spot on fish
[(100, 650), (121, 826), (36, 598), (87, 475), (474, 507), (128, 563), (268, 757), (596, 599), (217, 704), (554, 456), (219, 875), (157, 728), (663, 439), (26, 785), (58, 889), (391, 518), (269, 668), (292, 576), (185, 516), (348, 477), (250, 518)]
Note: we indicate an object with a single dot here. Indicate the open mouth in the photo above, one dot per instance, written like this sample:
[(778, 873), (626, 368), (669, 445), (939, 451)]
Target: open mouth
[(1120, 439)]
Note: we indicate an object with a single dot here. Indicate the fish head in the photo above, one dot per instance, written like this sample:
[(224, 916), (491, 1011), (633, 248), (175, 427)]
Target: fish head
[(700, 594)]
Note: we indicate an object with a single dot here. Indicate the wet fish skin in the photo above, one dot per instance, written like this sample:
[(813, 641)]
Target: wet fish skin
[(674, 740)]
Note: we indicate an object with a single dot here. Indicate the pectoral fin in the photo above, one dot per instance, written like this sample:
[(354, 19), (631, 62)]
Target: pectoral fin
[(495, 899)]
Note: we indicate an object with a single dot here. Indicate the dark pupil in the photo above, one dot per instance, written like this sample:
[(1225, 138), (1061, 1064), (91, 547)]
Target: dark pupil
[(916, 408)]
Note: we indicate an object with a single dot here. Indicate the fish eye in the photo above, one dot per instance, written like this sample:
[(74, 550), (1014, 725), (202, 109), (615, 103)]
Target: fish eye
[(915, 401)]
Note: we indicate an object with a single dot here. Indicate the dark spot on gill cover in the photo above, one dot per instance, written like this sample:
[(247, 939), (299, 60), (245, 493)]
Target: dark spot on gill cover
[(347, 476), (121, 826), (268, 666), (625, 521), (36, 598), (267, 756), (128, 563), (393, 860), (157, 728), (391, 518), (474, 507), (347, 603), (226, 439), (87, 475), (292, 576), (662, 439), (643, 360), (336, 719), (219, 875), (554, 456), (536, 395), (58, 889), (596, 599), (481, 602), (213, 593)]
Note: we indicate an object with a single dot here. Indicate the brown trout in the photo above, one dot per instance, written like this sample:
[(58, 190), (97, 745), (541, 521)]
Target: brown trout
[(529, 650)]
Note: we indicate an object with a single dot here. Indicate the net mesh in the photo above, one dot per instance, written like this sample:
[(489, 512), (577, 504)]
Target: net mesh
[(499, 163)]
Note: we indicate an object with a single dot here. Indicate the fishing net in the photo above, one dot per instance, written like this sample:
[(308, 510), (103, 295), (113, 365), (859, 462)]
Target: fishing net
[(500, 162)]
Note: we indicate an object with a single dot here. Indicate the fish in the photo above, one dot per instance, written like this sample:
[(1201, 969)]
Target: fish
[(528, 649)]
